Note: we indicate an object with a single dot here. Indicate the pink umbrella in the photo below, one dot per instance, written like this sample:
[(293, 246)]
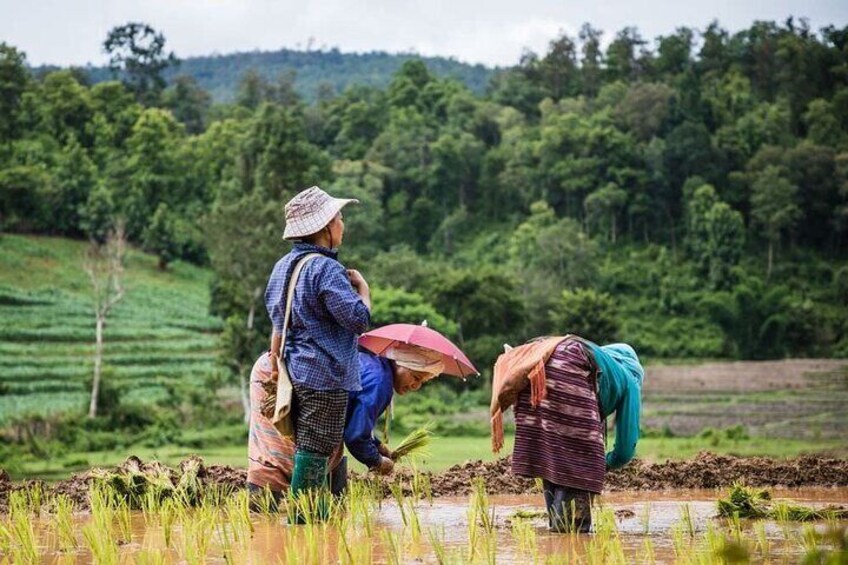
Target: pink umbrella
[(381, 339)]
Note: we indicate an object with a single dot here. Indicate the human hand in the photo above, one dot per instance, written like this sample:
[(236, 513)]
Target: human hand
[(385, 467), (356, 279), (385, 451)]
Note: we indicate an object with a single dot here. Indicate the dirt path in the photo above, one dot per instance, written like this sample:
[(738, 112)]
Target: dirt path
[(704, 471)]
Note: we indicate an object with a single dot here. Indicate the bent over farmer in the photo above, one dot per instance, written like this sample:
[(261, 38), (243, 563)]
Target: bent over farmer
[(563, 390), (330, 307), (271, 456)]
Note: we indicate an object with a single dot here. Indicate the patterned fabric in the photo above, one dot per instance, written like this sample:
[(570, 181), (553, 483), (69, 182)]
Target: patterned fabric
[(327, 315), (561, 440), (310, 211), (365, 406), (319, 419), (270, 456)]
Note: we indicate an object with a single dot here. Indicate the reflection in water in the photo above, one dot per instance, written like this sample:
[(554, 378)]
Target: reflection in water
[(665, 519)]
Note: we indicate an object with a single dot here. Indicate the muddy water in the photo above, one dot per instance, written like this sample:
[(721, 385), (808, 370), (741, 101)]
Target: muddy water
[(655, 516)]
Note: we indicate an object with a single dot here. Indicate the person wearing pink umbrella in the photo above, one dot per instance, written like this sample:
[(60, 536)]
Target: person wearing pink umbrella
[(271, 457)]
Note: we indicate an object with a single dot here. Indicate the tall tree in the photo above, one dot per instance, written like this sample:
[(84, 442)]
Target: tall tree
[(774, 207), (244, 243), (13, 82), (137, 52), (104, 263)]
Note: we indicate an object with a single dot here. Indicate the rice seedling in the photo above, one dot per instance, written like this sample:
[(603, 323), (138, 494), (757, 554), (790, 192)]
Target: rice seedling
[(763, 545), (63, 524), (397, 492), (524, 535), (102, 546), (262, 502), (686, 517), (196, 528), (124, 519), (35, 494), (167, 518), (23, 540), (648, 554), (394, 546), (646, 519), (414, 523), (5, 538), (437, 544), (414, 445), (237, 512), (150, 557), (420, 486)]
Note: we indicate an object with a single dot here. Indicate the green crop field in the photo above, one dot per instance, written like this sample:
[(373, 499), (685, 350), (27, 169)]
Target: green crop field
[(161, 331)]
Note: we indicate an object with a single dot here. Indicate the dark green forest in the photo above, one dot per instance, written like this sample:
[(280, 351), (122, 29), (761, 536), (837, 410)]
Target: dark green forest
[(687, 194), (315, 73)]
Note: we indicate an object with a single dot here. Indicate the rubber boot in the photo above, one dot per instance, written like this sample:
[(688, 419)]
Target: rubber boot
[(338, 478), (569, 510), (309, 474)]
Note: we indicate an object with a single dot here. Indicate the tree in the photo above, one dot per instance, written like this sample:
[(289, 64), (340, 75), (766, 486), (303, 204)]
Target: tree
[(13, 83), (396, 306), (137, 52), (586, 313), (645, 108), (558, 68), (243, 239), (591, 60), (189, 103), (104, 264), (603, 207), (160, 236), (773, 207)]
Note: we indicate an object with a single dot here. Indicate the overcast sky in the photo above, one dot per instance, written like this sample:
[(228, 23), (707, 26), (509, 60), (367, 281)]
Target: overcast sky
[(493, 32)]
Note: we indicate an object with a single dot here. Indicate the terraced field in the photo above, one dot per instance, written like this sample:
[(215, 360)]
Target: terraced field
[(159, 333)]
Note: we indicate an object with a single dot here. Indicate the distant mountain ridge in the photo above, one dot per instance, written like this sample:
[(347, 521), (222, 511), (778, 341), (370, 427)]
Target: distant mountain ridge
[(220, 74)]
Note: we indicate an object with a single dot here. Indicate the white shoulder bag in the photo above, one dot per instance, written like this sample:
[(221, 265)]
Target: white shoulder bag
[(282, 418)]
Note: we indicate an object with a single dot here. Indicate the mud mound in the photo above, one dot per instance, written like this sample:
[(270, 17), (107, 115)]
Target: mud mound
[(708, 470), (705, 471)]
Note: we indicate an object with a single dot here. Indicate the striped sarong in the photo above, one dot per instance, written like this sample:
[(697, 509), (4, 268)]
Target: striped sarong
[(561, 440), (270, 456)]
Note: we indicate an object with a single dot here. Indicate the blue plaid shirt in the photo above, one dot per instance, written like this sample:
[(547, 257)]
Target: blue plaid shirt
[(327, 316)]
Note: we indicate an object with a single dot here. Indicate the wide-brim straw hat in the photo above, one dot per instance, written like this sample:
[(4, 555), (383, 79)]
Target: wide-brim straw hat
[(310, 211)]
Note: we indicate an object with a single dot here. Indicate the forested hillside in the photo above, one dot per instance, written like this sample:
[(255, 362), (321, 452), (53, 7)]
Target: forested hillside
[(688, 195), (313, 73)]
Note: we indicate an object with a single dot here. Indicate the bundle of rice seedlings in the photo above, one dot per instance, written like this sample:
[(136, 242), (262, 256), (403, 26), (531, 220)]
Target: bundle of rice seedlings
[(414, 445), (189, 487), (744, 502)]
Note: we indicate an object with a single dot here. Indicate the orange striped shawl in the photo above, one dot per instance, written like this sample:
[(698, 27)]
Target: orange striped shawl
[(514, 369)]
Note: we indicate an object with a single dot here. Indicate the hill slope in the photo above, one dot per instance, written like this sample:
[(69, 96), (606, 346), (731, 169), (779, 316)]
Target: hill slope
[(160, 333), (220, 74)]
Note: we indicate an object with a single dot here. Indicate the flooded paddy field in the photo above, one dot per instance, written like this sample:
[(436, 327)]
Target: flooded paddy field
[(202, 515)]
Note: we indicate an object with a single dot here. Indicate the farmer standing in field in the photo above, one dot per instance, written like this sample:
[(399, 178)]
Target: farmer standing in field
[(270, 455), (330, 307), (564, 389)]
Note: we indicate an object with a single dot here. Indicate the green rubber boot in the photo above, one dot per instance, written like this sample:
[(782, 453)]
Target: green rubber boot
[(308, 477)]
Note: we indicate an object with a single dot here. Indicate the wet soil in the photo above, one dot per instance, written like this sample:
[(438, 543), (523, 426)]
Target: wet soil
[(705, 471)]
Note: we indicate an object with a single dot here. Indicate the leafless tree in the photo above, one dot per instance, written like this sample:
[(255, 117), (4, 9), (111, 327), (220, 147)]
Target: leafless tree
[(104, 263)]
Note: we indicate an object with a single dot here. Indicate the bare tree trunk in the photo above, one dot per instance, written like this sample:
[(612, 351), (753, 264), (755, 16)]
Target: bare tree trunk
[(98, 363)]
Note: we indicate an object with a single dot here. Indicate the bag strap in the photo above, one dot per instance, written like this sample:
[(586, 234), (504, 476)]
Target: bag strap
[(290, 297)]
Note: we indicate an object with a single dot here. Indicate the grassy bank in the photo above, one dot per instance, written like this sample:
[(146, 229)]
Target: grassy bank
[(159, 334)]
